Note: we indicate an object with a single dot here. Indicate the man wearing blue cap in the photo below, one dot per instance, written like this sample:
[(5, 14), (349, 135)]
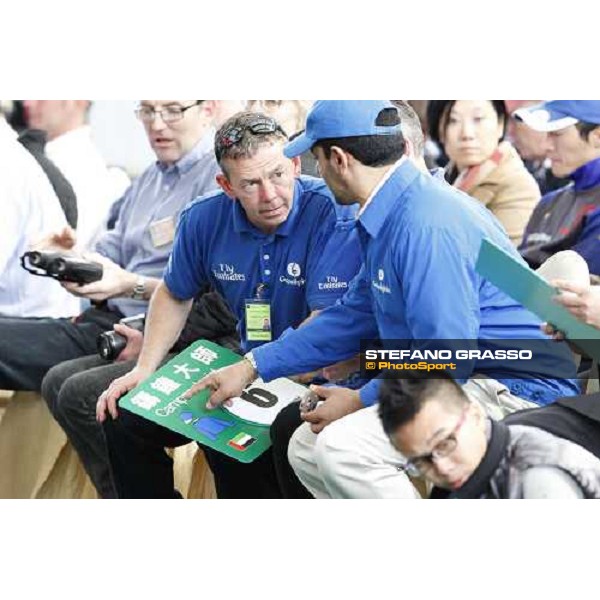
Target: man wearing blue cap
[(420, 241), (273, 243), (569, 218)]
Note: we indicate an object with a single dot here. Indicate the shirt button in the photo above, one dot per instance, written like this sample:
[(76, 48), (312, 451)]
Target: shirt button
[(266, 257), (267, 272)]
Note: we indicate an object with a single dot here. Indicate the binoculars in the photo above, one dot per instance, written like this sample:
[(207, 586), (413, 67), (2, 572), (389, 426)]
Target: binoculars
[(61, 267), (110, 344)]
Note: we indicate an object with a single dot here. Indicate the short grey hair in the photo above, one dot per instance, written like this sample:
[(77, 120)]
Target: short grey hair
[(249, 142), (411, 127)]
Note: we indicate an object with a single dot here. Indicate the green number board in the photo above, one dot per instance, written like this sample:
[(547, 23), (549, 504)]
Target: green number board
[(159, 399)]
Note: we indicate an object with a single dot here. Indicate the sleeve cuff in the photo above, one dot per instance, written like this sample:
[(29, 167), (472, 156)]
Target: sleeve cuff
[(369, 394)]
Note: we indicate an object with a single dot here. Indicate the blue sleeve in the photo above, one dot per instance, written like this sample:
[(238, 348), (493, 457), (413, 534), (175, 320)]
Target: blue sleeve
[(334, 261), (185, 273), (369, 393), (330, 337), (109, 244), (588, 244)]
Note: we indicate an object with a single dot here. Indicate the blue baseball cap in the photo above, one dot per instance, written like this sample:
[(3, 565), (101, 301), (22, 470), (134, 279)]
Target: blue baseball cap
[(341, 119), (558, 114)]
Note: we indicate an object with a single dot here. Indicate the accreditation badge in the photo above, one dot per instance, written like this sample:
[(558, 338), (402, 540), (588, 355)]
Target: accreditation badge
[(258, 321), (162, 232)]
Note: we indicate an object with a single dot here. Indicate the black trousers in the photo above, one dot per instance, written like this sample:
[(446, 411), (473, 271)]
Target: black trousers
[(141, 468), (71, 390), (30, 347), (282, 429)]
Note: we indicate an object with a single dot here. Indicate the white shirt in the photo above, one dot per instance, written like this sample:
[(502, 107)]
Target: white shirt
[(30, 210), (95, 184)]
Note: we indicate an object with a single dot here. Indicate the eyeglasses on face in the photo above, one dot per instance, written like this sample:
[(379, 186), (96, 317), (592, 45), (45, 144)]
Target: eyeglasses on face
[(169, 114), (420, 465)]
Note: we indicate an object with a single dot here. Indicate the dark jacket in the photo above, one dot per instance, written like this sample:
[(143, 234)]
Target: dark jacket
[(568, 219), (210, 319)]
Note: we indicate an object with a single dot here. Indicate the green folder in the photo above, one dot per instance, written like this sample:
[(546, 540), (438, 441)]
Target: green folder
[(524, 285), (159, 399)]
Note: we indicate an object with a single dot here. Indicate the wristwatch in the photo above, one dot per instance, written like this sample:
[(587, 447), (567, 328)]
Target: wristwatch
[(139, 289), (250, 358)]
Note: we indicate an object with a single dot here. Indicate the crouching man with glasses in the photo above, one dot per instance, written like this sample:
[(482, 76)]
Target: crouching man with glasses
[(547, 452)]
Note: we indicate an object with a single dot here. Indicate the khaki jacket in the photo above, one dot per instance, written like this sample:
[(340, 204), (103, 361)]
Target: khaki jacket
[(503, 184)]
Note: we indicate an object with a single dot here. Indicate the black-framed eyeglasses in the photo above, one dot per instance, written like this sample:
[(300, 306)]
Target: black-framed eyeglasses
[(169, 114), (232, 135), (419, 465)]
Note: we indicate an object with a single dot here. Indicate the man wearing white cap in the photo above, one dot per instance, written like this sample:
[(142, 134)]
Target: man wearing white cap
[(567, 219)]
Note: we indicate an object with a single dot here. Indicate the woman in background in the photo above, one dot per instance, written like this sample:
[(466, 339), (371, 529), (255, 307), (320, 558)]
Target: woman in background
[(482, 164)]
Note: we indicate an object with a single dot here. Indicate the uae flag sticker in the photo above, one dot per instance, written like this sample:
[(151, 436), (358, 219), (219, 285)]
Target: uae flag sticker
[(242, 441)]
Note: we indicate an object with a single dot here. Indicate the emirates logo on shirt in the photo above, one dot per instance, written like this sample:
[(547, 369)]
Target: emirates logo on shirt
[(225, 272)]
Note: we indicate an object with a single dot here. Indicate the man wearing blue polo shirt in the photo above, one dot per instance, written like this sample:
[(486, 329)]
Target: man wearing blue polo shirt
[(272, 241), (420, 241)]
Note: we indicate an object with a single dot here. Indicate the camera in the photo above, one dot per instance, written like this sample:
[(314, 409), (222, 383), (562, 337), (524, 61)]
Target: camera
[(309, 401), (62, 267), (110, 344)]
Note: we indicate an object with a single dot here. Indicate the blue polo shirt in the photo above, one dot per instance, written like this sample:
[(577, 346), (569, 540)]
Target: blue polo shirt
[(306, 264), (420, 241)]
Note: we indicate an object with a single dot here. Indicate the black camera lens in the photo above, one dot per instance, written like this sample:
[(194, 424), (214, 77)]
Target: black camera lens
[(110, 344), (57, 266), (35, 258)]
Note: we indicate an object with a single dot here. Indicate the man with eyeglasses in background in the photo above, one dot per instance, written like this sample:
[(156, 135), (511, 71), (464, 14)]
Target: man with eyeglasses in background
[(546, 452), (133, 254), (281, 241)]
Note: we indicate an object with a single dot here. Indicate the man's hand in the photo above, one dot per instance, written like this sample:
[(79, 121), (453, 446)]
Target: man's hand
[(115, 281), (550, 330), (226, 383), (339, 402), (60, 241), (559, 336), (107, 402), (135, 340), (582, 301)]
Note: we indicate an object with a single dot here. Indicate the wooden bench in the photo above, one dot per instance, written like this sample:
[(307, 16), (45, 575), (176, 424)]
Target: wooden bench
[(37, 461)]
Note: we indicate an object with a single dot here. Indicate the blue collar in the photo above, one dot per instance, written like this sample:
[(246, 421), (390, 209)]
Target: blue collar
[(587, 176), (197, 153), (241, 224), (388, 198)]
